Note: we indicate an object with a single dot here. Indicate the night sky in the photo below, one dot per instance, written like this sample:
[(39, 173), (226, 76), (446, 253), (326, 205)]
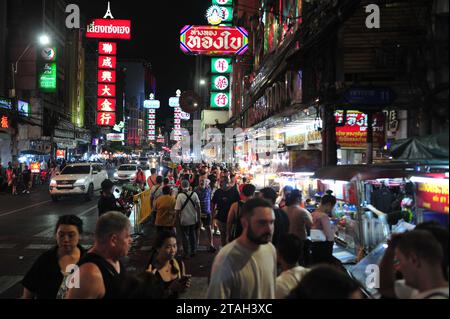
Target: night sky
[(156, 29)]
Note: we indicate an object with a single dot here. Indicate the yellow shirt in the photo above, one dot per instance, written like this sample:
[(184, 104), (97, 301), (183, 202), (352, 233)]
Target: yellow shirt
[(165, 211)]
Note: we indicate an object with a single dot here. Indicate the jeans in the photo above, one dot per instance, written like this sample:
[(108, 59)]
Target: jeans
[(223, 232), (189, 237)]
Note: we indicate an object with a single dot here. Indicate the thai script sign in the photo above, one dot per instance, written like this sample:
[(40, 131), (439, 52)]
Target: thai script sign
[(214, 40)]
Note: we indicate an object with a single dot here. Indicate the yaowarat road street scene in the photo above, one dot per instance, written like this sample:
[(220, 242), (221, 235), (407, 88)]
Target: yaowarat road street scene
[(224, 149)]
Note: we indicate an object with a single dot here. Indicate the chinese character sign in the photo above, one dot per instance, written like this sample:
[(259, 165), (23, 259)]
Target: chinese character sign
[(107, 62), (223, 2), (220, 83), (106, 88), (106, 119), (107, 48), (221, 65), (152, 125), (220, 100), (106, 105), (106, 76)]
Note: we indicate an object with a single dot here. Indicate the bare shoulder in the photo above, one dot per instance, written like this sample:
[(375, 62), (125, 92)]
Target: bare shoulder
[(91, 283)]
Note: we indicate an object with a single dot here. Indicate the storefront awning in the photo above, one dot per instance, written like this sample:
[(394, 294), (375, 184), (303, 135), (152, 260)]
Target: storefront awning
[(364, 172), (432, 149)]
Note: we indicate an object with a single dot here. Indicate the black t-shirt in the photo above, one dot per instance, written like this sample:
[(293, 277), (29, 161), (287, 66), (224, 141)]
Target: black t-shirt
[(45, 277), (224, 200), (281, 225), (26, 174), (107, 204)]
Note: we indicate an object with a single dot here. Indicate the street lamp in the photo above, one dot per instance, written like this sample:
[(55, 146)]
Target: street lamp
[(42, 40), (202, 82)]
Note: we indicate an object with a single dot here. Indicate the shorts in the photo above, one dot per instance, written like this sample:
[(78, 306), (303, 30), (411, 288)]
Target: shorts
[(206, 219)]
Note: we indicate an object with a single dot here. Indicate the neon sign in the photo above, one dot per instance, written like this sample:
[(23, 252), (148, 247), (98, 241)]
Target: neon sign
[(214, 40), (109, 29)]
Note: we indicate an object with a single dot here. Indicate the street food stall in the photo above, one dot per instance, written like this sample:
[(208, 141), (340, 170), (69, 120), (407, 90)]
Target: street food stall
[(366, 196), (432, 200)]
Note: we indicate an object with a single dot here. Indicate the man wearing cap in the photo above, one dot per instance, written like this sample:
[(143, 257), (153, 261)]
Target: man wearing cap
[(107, 201)]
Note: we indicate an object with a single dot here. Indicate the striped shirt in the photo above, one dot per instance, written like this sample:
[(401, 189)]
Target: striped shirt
[(204, 194)]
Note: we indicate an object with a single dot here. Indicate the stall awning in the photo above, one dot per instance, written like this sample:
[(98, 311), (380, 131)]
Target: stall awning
[(364, 172), (432, 149)]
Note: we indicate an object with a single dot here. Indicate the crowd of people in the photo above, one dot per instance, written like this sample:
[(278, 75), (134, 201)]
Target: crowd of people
[(271, 246), (17, 178)]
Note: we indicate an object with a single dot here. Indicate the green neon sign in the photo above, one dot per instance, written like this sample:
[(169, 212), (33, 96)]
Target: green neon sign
[(221, 65), (220, 100), (48, 77)]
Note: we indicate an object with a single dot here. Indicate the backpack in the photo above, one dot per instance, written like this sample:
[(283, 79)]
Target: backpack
[(236, 227)]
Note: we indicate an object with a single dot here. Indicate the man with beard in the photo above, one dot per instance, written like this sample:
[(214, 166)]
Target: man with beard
[(247, 267)]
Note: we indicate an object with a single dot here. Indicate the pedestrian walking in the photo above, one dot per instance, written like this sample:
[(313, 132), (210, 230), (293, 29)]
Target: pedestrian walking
[(188, 209), (247, 267), (101, 272), (169, 270), (48, 277)]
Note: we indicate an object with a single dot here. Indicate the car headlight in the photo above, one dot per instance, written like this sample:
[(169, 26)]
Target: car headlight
[(81, 181), (116, 175), (133, 176), (53, 183)]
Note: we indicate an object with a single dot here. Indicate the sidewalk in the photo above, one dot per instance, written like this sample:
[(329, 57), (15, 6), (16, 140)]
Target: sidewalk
[(199, 266)]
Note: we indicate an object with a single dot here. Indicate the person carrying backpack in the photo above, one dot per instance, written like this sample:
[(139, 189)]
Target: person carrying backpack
[(155, 192), (187, 207), (234, 227)]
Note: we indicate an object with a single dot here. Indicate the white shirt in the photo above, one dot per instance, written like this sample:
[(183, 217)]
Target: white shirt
[(189, 213), (288, 280), (240, 273), (402, 291), (438, 293)]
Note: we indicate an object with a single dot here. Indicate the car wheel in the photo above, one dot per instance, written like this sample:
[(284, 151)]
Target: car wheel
[(90, 193), (55, 198)]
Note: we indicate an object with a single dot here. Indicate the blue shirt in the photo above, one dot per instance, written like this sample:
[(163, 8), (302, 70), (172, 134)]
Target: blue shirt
[(204, 194)]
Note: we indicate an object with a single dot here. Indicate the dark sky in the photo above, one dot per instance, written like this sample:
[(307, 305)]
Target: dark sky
[(156, 29)]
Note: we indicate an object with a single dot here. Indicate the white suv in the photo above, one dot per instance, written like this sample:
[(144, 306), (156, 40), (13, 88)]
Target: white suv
[(78, 179)]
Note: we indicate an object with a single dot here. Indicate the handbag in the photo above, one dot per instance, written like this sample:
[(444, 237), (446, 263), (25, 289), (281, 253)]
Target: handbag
[(317, 235)]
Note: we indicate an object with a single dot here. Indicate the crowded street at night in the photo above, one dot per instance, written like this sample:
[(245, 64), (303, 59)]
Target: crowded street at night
[(211, 150)]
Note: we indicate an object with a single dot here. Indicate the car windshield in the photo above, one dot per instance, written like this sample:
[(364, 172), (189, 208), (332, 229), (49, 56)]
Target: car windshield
[(127, 168), (76, 170), (143, 159)]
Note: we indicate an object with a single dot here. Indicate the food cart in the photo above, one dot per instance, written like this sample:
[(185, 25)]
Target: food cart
[(361, 226)]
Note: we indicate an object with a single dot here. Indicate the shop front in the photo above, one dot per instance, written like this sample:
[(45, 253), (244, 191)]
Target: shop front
[(432, 200), (369, 203), (351, 137)]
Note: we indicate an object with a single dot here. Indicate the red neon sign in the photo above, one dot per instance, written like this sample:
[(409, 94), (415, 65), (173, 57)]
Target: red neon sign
[(107, 62), (106, 76), (106, 105), (4, 122), (107, 48), (60, 154), (106, 90), (106, 119), (109, 29), (354, 133), (214, 40)]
